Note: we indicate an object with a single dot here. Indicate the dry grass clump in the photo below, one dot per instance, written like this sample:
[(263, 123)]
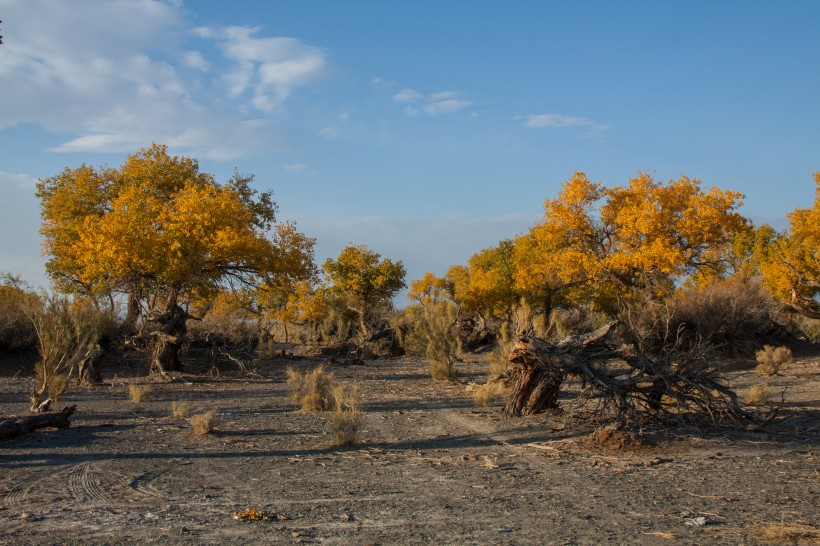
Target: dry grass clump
[(346, 418), (758, 395), (138, 393), (789, 534), (180, 409), (489, 394), (771, 359), (202, 423), (312, 391)]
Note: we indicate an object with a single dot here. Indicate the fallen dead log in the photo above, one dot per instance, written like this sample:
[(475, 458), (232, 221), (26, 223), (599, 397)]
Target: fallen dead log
[(12, 428), (618, 382)]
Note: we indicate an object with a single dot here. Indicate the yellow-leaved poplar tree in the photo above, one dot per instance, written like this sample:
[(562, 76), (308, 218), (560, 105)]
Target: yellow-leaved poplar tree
[(599, 244), (792, 268), (364, 281), (159, 230)]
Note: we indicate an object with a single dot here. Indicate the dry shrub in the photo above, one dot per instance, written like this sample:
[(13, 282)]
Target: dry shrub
[(430, 331), (758, 395), (312, 391), (571, 322), (138, 393), (17, 305), (226, 323), (728, 315), (180, 409), (789, 534), (202, 423), (490, 394), (346, 418), (771, 359), (67, 329), (807, 328)]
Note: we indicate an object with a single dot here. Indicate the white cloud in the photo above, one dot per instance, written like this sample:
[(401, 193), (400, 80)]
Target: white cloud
[(435, 104), (407, 95), (329, 133), (103, 71), (296, 168), (444, 95), (448, 106), (273, 67), (594, 129), (195, 60)]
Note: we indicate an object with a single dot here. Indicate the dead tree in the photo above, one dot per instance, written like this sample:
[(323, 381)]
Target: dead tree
[(618, 381), (12, 428)]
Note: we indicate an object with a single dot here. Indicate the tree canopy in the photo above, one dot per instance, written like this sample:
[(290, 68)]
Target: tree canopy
[(364, 281), (792, 268), (157, 226)]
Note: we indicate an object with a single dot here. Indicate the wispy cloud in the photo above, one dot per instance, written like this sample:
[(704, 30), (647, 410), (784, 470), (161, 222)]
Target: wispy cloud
[(593, 128), (434, 104), (407, 95), (329, 133), (447, 106), (297, 168), (121, 86), (271, 67)]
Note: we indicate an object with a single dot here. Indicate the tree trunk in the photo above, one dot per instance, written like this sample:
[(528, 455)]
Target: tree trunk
[(129, 325), (538, 370), (169, 341), (88, 369), (12, 428)]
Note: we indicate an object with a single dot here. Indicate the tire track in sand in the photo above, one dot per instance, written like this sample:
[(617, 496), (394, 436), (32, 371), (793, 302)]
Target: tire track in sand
[(84, 486)]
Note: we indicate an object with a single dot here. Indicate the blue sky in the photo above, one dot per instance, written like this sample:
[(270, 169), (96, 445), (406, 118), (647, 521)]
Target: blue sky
[(426, 130)]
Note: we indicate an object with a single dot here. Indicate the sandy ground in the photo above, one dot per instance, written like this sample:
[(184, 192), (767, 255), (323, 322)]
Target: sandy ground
[(430, 468)]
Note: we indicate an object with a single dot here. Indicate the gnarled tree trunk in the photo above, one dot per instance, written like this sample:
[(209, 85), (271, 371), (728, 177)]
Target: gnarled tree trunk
[(169, 340), (539, 368)]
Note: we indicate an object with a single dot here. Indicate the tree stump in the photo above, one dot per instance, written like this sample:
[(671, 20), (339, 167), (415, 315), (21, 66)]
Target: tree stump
[(538, 369)]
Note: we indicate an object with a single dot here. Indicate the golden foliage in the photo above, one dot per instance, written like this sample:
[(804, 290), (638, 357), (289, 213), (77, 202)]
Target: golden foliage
[(792, 270), (158, 224), (364, 281)]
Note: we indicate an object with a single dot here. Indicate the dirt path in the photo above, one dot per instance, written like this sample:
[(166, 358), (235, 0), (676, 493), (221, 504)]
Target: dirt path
[(431, 468)]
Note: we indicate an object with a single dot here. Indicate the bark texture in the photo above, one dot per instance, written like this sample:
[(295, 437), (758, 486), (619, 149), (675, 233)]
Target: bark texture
[(12, 428)]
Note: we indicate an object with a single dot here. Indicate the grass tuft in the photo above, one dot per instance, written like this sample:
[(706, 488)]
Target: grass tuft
[(138, 393), (203, 423), (346, 418), (758, 395), (180, 409), (312, 391)]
